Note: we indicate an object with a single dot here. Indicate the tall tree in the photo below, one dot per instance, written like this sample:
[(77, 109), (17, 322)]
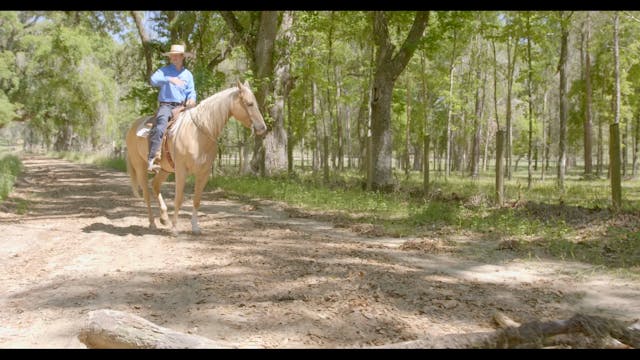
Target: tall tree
[(276, 141), (562, 68), (452, 68), (530, 98), (479, 105), (587, 99), (513, 41), (388, 67), (258, 41), (614, 132)]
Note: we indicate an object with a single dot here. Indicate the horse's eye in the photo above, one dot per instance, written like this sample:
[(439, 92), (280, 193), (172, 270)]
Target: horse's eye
[(249, 104)]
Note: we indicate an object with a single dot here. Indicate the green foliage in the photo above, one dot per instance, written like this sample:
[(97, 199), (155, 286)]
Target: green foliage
[(7, 110), (68, 87), (10, 168)]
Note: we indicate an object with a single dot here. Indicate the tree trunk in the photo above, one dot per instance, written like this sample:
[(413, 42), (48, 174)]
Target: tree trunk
[(427, 133), (475, 147), (614, 166), (362, 129), (388, 68), (600, 150), (614, 129), (447, 161), (290, 142), (544, 135), (530, 91), (487, 139), (500, 168), (315, 162), (347, 119), (339, 128), (425, 175), (562, 151), (173, 34), (366, 145), (407, 135), (495, 83), (624, 146), (275, 142), (330, 74), (417, 157), (381, 133), (587, 108), (636, 140), (511, 65), (146, 44)]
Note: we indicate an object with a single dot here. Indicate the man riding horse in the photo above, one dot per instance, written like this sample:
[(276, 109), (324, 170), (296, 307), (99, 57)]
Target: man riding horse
[(176, 89)]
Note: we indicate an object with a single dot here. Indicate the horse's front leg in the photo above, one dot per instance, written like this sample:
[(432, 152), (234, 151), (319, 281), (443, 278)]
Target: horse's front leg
[(157, 183), (201, 182), (181, 178), (143, 182)]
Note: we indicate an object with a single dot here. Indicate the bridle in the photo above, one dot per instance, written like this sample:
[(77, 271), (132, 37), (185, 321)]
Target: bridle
[(245, 105)]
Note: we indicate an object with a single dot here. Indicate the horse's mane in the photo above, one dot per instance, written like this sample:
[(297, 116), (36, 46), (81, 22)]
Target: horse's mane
[(211, 114)]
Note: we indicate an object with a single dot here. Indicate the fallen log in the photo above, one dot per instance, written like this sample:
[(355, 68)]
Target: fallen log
[(111, 329), (580, 331)]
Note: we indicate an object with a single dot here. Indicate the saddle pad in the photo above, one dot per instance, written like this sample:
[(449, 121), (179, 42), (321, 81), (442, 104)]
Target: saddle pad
[(144, 128)]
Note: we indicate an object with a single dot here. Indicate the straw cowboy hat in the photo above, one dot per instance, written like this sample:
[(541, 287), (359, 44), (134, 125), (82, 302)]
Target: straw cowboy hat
[(178, 49)]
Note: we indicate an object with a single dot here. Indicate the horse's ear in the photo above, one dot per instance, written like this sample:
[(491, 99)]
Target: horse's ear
[(246, 84), (239, 84)]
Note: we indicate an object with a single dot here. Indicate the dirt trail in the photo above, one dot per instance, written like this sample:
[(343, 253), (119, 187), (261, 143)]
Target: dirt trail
[(74, 239)]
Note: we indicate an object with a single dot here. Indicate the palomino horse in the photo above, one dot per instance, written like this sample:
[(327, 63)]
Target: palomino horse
[(193, 145)]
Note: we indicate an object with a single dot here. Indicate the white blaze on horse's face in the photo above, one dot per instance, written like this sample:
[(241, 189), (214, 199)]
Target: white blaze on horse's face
[(252, 117)]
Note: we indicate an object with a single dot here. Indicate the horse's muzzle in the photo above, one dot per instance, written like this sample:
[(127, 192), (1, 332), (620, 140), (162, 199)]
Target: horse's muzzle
[(260, 130)]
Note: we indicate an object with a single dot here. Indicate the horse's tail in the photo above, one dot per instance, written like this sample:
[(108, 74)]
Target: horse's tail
[(131, 170)]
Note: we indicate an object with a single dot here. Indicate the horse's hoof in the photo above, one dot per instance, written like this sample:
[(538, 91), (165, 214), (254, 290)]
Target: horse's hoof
[(174, 232), (197, 231), (164, 221), (152, 226)]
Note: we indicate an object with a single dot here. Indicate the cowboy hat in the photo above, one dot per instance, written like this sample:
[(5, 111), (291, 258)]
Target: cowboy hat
[(178, 49)]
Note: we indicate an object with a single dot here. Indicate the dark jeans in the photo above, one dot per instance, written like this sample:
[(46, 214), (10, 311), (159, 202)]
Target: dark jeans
[(156, 132)]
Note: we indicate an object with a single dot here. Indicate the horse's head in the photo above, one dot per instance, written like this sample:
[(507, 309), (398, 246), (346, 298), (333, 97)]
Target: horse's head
[(247, 112)]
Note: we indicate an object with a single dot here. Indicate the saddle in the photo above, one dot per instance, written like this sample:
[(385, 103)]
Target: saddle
[(143, 131)]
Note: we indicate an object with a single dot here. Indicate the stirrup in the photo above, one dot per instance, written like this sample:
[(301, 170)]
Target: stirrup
[(153, 168)]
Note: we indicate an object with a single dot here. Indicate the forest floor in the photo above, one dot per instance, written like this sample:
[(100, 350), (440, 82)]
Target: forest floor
[(73, 239)]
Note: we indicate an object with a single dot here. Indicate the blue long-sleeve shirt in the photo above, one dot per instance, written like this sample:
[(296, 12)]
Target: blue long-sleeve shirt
[(170, 92)]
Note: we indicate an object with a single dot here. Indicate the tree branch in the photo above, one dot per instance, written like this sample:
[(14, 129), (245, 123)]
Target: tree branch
[(239, 32), (403, 56)]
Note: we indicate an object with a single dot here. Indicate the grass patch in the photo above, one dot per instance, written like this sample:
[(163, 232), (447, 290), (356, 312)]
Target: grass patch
[(313, 196), (112, 163)]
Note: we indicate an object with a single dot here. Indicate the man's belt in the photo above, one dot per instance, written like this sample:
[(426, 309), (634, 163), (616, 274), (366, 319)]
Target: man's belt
[(170, 103)]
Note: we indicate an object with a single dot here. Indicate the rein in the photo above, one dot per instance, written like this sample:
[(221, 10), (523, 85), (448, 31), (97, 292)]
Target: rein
[(199, 127)]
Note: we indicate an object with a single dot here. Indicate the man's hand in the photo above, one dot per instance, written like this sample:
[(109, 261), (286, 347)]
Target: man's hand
[(190, 103), (176, 81)]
